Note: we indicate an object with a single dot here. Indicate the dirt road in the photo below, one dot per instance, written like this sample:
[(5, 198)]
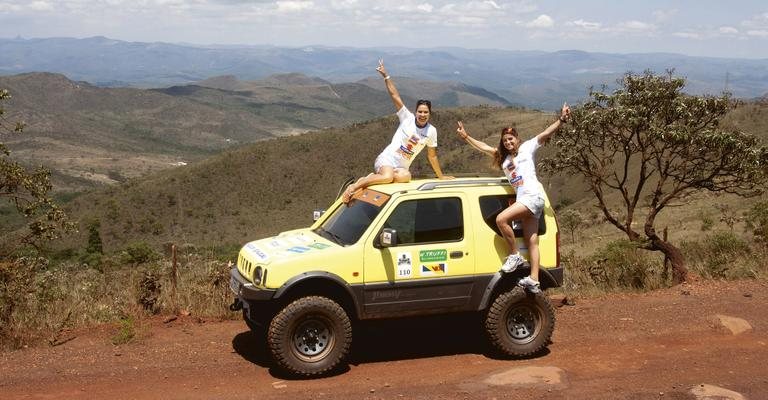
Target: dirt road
[(667, 344)]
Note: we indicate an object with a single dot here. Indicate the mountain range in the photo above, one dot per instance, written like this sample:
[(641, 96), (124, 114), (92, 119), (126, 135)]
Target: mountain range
[(89, 135), (535, 79)]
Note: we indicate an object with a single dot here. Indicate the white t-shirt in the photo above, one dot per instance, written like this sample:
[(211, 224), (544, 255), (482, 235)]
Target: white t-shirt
[(521, 170), (408, 140)]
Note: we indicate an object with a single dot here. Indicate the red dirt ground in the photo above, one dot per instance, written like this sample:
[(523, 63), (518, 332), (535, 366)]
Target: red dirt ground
[(658, 345)]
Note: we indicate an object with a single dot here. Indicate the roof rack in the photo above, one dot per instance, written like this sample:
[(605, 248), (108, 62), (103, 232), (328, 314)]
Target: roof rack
[(461, 182)]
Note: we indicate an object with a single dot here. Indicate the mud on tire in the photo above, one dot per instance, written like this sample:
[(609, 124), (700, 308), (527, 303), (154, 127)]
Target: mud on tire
[(310, 336), (520, 324)]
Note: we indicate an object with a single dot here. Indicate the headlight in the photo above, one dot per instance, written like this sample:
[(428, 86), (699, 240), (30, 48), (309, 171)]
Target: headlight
[(257, 275)]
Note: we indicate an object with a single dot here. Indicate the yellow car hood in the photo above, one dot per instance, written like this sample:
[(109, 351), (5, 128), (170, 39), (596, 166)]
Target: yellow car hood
[(286, 245)]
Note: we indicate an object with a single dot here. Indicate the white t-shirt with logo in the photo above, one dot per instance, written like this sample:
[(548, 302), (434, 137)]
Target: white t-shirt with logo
[(407, 142), (521, 170)]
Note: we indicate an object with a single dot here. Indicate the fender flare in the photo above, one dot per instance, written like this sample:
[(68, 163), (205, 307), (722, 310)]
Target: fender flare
[(545, 277), (322, 275)]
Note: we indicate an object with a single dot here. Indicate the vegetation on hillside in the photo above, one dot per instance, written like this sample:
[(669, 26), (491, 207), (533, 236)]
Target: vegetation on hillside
[(119, 268), (657, 146), (272, 186)]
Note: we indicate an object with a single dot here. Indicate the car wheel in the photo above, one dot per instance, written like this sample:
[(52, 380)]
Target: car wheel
[(520, 324), (310, 336)]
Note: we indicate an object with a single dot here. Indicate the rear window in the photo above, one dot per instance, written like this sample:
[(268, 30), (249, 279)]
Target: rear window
[(491, 206)]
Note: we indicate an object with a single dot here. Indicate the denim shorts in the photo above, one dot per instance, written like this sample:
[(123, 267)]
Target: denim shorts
[(533, 202)]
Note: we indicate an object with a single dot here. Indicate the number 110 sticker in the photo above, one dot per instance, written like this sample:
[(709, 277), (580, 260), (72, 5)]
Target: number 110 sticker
[(404, 265)]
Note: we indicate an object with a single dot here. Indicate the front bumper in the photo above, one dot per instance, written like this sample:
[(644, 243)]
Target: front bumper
[(245, 290)]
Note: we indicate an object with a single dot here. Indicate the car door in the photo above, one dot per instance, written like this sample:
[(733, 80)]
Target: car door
[(431, 266)]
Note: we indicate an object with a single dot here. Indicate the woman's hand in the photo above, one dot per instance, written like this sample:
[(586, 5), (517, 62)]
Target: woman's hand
[(565, 113), (461, 131), (381, 69)]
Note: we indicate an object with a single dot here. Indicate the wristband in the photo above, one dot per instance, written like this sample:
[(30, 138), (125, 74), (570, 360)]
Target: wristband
[(386, 77)]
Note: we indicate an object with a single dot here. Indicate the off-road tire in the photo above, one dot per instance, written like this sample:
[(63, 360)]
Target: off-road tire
[(520, 324), (310, 336)]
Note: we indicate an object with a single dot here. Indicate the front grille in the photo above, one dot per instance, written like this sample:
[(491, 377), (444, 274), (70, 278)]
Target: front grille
[(244, 266)]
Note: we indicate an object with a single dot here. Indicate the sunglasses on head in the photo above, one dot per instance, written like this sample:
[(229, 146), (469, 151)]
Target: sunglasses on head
[(427, 102)]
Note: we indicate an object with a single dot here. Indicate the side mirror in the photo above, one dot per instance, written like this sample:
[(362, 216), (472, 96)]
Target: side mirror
[(317, 214), (388, 237)]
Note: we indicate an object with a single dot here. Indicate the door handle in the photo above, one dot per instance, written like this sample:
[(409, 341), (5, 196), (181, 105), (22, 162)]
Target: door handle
[(457, 254)]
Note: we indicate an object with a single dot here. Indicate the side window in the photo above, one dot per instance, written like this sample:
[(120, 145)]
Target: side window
[(428, 220), (491, 206)]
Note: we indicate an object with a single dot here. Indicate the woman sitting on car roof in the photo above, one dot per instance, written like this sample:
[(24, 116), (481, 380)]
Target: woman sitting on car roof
[(411, 136)]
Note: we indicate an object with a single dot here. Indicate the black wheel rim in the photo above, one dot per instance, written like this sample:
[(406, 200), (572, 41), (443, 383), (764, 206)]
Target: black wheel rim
[(523, 323), (312, 339)]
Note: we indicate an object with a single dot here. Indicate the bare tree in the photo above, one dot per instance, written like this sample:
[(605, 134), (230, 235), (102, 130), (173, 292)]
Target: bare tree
[(654, 146)]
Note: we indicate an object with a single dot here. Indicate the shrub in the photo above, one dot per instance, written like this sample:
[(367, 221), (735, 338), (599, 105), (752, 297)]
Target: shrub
[(720, 255), (148, 291), (126, 331), (757, 221), (622, 265), (139, 253)]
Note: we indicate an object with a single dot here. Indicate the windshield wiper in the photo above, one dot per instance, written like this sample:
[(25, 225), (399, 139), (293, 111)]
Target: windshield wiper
[(330, 236)]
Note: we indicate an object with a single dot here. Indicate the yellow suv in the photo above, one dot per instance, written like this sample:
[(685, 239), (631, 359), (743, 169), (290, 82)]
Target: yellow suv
[(404, 249)]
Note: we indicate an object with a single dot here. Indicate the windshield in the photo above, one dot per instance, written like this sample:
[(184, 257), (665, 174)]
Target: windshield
[(348, 222)]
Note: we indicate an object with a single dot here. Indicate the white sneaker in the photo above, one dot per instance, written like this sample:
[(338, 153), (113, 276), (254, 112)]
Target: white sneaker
[(530, 285), (513, 261)]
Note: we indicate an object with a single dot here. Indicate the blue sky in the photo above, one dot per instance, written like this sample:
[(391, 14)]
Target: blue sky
[(704, 28)]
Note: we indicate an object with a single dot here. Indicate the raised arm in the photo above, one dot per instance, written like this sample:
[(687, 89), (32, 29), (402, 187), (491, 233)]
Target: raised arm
[(390, 86), (565, 114), (474, 142)]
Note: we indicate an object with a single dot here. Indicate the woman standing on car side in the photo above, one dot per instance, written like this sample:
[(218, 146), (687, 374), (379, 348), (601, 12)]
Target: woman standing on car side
[(517, 162), (413, 133)]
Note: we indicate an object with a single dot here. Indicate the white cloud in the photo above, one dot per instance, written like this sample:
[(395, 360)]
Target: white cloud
[(635, 26), (585, 25), (426, 7), (423, 7), (492, 4), (728, 30), (543, 21), (759, 21), (688, 35), (8, 7), (758, 32), (344, 4), (294, 6), (41, 6)]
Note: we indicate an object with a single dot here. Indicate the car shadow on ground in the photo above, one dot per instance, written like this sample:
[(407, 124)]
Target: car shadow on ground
[(393, 340), (418, 337)]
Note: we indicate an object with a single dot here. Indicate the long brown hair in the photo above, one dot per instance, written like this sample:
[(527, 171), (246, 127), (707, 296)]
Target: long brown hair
[(501, 151)]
